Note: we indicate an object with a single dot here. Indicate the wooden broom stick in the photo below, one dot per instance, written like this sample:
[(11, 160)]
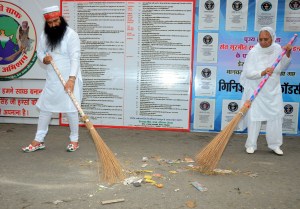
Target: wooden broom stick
[(210, 155), (112, 171)]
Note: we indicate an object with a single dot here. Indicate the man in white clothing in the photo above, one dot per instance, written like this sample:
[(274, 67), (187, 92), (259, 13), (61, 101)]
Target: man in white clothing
[(268, 104), (61, 44)]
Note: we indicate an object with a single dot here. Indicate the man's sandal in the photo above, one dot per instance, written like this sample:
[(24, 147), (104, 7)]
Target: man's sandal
[(31, 148), (72, 147)]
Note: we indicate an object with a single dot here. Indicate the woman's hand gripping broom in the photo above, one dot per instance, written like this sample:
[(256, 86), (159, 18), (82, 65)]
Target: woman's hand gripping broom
[(112, 171), (210, 155)]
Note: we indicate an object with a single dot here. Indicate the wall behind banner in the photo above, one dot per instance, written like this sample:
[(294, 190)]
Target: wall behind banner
[(162, 65), (224, 33), (22, 76)]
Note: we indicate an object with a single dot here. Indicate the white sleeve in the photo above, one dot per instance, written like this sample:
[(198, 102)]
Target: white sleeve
[(41, 48), (251, 71), (283, 64), (74, 53)]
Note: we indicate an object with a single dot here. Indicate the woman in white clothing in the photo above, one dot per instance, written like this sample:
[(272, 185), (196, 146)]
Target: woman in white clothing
[(268, 104)]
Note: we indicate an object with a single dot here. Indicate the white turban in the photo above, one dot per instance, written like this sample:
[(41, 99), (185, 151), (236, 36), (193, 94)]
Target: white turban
[(271, 32), (51, 12)]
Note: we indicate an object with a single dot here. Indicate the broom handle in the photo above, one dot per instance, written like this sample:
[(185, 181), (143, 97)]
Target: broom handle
[(265, 78), (69, 92)]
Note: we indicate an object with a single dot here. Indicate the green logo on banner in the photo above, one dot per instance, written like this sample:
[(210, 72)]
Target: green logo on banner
[(17, 42)]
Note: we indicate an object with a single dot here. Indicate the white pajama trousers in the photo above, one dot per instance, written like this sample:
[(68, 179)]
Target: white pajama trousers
[(273, 133), (44, 121)]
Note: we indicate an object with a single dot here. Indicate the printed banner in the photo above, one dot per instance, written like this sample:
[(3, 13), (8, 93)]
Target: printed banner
[(265, 14), (204, 114), (292, 15), (205, 81), (136, 69), (209, 14), (207, 48), (236, 15), (236, 37)]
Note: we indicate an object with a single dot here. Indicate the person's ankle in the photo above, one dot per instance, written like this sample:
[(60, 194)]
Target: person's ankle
[(35, 143), (75, 143)]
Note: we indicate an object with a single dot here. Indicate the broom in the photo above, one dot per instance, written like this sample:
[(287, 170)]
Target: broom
[(210, 155), (112, 171)]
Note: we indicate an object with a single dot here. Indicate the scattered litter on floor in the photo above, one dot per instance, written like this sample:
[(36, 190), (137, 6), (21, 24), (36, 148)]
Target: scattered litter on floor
[(158, 175), (147, 177), (191, 203), (56, 202), (147, 171), (248, 173), (144, 165), (137, 172), (180, 170), (112, 201), (199, 186), (173, 161), (150, 181), (130, 180), (101, 187), (223, 171), (137, 184), (159, 185), (189, 160), (253, 175)]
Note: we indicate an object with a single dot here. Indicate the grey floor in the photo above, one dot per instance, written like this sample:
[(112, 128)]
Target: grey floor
[(54, 178)]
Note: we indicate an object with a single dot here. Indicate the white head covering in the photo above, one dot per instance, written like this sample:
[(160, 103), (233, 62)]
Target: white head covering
[(50, 9), (270, 49), (271, 32), (51, 12)]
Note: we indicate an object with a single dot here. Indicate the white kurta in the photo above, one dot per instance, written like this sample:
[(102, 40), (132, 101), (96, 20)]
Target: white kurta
[(67, 59), (268, 104)]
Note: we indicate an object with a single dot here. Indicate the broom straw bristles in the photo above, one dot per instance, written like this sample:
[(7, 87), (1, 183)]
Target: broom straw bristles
[(112, 171), (210, 155)]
